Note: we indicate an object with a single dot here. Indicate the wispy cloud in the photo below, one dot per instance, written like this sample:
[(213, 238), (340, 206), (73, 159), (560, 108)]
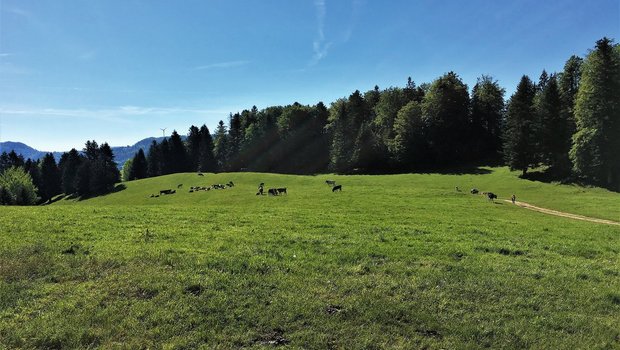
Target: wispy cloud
[(121, 114), (87, 55), (229, 64), (319, 46), (5, 54)]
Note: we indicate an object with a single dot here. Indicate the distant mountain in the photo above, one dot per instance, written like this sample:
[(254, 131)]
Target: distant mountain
[(25, 150), (121, 154)]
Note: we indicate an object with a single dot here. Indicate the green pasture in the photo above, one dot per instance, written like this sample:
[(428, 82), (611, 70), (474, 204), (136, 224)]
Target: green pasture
[(393, 261)]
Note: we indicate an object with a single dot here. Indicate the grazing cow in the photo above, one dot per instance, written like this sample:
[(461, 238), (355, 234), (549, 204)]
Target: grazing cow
[(281, 190), (330, 182), (272, 191), (191, 190), (201, 174), (491, 196), (179, 185), (474, 191), (337, 188), (231, 184), (165, 191)]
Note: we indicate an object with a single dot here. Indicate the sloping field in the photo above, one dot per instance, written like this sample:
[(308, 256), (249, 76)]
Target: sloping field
[(398, 261)]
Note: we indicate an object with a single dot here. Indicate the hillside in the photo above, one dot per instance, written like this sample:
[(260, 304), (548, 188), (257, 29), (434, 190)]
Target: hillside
[(593, 202), (398, 261), (121, 153)]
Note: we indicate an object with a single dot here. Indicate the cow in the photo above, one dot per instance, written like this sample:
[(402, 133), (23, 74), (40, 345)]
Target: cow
[(337, 188), (165, 191), (474, 191), (272, 191), (179, 185), (491, 196), (281, 190), (231, 184), (330, 182)]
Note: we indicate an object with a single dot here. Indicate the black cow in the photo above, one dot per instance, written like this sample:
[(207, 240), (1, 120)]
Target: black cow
[(272, 191), (165, 191), (281, 190), (473, 191), (337, 188), (491, 196)]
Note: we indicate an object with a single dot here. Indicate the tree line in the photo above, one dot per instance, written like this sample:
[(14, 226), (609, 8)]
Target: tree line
[(567, 121), (91, 172)]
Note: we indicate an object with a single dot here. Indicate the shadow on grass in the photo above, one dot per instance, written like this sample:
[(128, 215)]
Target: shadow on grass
[(117, 188), (551, 176)]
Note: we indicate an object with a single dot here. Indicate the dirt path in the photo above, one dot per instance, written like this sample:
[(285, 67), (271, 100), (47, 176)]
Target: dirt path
[(563, 214)]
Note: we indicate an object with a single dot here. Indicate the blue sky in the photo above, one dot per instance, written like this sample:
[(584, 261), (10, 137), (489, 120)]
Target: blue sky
[(118, 71)]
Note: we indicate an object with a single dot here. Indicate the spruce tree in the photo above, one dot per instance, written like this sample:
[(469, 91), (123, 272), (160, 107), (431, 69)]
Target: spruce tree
[(568, 84), (551, 128), (50, 178), (153, 161), (179, 161), (519, 136), (193, 147), (487, 111), (69, 164), (596, 142), (220, 146), (206, 158), (446, 109), (139, 167)]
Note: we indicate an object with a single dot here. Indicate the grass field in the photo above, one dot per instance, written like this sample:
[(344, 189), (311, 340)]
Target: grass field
[(395, 261)]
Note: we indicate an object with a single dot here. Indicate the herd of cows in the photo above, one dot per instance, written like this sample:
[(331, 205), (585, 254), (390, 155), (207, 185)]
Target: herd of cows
[(276, 191)]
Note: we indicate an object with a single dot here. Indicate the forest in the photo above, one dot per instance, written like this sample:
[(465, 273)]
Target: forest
[(567, 122)]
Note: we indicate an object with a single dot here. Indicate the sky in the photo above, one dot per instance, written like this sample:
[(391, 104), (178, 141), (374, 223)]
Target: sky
[(118, 71)]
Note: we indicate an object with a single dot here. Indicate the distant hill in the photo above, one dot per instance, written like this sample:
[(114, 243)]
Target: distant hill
[(121, 154)]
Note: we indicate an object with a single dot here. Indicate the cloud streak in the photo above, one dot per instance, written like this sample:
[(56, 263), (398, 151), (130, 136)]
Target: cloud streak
[(223, 65), (121, 114), (319, 46)]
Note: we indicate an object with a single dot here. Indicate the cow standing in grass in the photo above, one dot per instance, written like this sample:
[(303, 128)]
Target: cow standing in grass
[(491, 196), (337, 188)]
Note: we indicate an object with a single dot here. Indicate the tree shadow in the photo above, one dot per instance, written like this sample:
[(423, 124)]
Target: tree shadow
[(551, 176)]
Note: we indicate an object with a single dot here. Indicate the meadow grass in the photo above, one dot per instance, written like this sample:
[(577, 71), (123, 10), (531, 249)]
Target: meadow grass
[(395, 261)]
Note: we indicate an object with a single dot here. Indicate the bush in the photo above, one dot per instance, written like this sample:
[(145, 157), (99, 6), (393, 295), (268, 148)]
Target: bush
[(16, 188)]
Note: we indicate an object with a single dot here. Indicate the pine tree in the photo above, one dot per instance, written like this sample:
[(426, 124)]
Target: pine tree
[(206, 159), (50, 178), (69, 164), (139, 167), (178, 160), (221, 146), (193, 147), (519, 135), (568, 84), (487, 111), (552, 128), (597, 113), (446, 109), (154, 160)]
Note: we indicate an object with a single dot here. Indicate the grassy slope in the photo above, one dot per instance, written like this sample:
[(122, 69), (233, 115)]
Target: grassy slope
[(393, 261)]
